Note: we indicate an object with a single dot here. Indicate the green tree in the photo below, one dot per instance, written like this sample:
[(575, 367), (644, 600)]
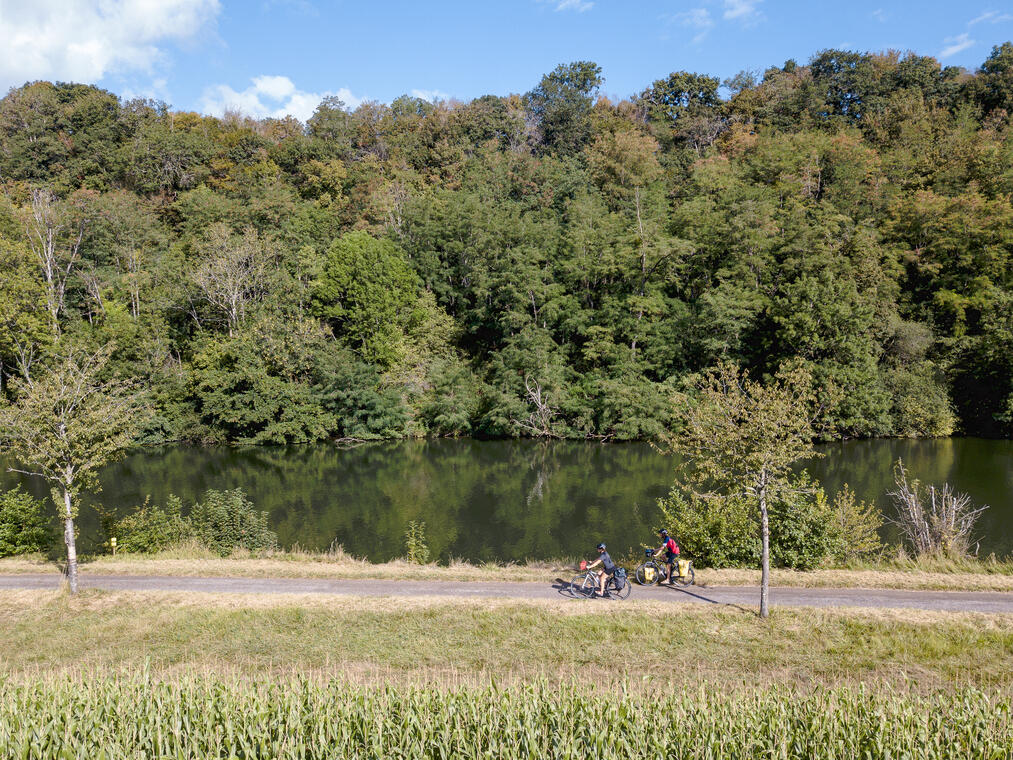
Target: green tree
[(561, 105), (993, 85), (24, 322), (366, 292), (65, 424), (741, 438)]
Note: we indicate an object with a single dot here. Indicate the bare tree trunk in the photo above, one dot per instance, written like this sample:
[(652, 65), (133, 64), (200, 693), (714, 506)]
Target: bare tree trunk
[(643, 267), (68, 537), (764, 550)]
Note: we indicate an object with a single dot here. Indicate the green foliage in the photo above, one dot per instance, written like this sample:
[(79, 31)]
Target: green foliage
[(562, 105), (416, 548), (807, 530), (850, 213), (24, 526), (261, 385), (150, 528), (363, 406), (221, 522), (227, 520), (366, 291), (716, 531), (854, 529)]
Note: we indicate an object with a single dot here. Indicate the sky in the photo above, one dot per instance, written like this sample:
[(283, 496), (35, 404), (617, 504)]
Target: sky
[(277, 57)]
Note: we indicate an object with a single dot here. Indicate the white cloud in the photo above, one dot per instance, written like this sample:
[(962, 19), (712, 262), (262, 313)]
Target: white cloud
[(695, 18), (431, 95), (991, 17), (570, 5), (880, 15), (270, 96), (956, 44), (84, 40), (742, 10)]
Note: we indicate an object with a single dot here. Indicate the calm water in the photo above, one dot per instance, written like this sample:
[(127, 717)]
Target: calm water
[(508, 500)]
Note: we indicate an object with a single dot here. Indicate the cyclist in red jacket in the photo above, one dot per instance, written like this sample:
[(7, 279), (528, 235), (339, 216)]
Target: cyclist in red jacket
[(671, 550)]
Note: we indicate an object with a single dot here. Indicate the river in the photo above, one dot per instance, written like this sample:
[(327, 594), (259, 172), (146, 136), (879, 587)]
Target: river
[(507, 500)]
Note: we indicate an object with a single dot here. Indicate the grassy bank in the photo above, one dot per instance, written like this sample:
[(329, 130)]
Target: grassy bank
[(300, 718), (923, 574), (471, 641)]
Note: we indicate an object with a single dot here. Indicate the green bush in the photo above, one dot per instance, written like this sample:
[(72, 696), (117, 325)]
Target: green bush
[(227, 520), (806, 529), (801, 527), (24, 528), (854, 528), (716, 531), (150, 529), (221, 521), (416, 548)]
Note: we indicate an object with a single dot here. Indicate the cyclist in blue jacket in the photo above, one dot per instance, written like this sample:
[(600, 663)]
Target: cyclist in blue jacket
[(608, 568)]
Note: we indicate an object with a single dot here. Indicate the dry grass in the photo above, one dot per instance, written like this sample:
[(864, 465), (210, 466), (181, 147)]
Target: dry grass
[(927, 575), (456, 642)]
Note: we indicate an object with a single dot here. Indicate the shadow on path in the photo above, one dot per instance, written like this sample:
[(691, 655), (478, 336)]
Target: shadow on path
[(700, 597)]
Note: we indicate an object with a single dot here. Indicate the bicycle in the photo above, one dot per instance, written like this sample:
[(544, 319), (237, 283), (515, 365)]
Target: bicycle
[(649, 572), (585, 584)]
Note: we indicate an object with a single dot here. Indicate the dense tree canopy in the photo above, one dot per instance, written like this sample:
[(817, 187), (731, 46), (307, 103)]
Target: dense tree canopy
[(547, 264)]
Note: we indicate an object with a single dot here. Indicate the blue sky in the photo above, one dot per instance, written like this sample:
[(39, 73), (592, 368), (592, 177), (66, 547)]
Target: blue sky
[(268, 57)]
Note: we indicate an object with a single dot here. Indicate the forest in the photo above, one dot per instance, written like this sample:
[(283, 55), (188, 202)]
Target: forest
[(546, 264)]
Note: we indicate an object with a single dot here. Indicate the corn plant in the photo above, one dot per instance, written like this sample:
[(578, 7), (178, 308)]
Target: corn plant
[(301, 719)]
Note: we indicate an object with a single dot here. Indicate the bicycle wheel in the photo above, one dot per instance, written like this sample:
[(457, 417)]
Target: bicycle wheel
[(612, 591), (582, 586), (687, 579), (648, 573)]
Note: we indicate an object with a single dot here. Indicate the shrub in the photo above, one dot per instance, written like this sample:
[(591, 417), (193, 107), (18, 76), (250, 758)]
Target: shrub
[(806, 530), (24, 528), (855, 528), (801, 527), (718, 531), (221, 522), (151, 529), (938, 522), (227, 520), (416, 548)]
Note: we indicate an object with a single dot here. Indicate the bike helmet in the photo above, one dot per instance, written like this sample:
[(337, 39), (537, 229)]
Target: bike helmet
[(664, 532), (601, 547)]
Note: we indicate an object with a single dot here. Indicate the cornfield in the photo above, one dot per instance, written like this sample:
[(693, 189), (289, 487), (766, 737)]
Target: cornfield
[(208, 717)]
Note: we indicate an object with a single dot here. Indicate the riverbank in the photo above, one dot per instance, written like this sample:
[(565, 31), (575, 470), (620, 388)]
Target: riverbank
[(921, 575), (454, 642)]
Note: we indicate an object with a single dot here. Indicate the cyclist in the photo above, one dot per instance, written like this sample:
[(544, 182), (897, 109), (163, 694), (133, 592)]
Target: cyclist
[(608, 568), (671, 550)]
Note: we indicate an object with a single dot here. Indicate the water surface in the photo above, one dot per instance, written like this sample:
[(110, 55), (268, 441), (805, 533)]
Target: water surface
[(508, 500)]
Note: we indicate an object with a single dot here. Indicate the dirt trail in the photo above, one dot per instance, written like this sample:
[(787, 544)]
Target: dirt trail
[(962, 601)]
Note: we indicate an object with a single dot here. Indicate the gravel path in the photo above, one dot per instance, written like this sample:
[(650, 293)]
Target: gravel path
[(962, 601)]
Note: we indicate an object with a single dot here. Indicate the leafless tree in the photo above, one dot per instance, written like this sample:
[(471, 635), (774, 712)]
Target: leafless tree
[(54, 236), (939, 522), (539, 422), (230, 272), (93, 284)]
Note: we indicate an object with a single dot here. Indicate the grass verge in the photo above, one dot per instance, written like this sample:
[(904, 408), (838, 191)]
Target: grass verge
[(468, 642)]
